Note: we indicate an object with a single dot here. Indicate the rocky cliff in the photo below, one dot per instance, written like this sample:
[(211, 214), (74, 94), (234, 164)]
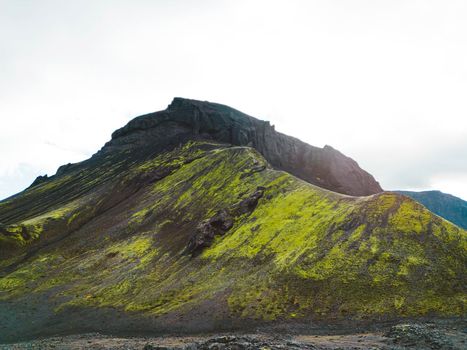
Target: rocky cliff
[(190, 119)]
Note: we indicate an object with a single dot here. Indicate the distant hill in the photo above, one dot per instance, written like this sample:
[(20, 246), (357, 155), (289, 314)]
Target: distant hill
[(445, 205)]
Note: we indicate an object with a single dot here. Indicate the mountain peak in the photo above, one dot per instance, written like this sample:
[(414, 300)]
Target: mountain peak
[(182, 103), (187, 119)]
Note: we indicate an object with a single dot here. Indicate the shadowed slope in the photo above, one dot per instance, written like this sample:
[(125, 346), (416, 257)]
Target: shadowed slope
[(208, 236)]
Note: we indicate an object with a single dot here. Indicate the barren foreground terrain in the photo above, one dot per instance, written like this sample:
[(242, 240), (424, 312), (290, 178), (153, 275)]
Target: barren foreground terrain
[(441, 335)]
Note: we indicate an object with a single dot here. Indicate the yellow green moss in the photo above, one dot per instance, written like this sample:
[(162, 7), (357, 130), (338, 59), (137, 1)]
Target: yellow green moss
[(303, 250)]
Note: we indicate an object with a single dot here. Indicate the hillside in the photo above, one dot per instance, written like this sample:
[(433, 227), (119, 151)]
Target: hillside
[(445, 205), (163, 232)]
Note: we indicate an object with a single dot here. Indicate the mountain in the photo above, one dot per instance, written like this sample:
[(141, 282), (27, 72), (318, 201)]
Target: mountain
[(181, 224), (190, 120), (445, 205)]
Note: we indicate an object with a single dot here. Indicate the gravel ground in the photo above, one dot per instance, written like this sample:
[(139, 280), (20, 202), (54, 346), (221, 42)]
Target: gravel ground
[(403, 336)]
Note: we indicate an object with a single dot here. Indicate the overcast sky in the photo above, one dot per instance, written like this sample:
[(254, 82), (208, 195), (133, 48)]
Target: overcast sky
[(385, 82)]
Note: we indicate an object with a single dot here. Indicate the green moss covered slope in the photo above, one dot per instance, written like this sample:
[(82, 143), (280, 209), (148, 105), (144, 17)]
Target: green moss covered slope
[(207, 232)]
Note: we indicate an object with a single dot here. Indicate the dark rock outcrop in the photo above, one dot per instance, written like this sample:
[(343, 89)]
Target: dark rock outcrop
[(248, 342), (40, 179), (221, 222), (207, 230), (419, 336), (238, 342), (186, 119)]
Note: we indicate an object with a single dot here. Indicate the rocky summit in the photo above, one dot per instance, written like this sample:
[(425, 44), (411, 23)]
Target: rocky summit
[(191, 120), (200, 218)]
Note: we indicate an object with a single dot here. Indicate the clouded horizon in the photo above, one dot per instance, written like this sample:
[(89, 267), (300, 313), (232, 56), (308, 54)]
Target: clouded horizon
[(384, 82)]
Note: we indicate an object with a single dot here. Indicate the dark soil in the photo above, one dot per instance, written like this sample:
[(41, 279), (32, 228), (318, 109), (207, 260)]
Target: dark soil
[(429, 336)]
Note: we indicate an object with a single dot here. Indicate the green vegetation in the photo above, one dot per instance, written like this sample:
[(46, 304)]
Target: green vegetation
[(303, 250)]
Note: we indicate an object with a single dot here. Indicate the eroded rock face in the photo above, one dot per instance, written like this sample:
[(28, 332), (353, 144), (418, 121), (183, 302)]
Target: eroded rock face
[(221, 222), (207, 230), (186, 119)]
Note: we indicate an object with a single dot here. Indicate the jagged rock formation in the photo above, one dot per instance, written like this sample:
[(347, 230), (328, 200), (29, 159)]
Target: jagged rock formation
[(445, 205), (223, 221), (163, 232), (190, 119)]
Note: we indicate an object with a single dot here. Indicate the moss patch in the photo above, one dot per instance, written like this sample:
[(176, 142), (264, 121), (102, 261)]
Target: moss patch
[(303, 250)]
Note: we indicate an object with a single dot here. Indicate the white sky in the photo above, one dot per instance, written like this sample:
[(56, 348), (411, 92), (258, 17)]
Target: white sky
[(385, 82)]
